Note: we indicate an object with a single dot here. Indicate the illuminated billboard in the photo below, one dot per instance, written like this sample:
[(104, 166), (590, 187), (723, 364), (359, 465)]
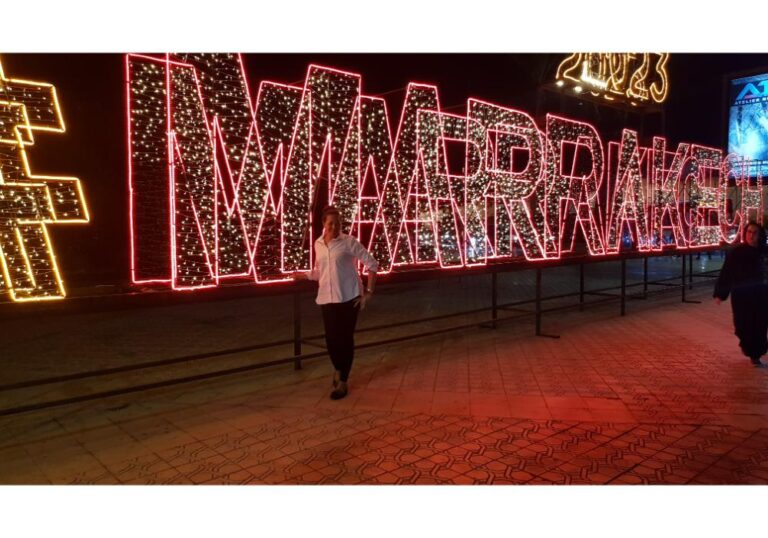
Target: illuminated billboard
[(748, 121)]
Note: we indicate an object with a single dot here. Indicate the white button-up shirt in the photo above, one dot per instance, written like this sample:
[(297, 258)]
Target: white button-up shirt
[(336, 269)]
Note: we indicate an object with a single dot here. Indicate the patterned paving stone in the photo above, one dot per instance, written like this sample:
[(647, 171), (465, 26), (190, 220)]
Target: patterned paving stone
[(97, 476), (187, 453), (662, 397)]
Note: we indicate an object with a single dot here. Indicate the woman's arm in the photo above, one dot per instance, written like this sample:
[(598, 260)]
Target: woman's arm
[(370, 263), (367, 293), (371, 282), (365, 257)]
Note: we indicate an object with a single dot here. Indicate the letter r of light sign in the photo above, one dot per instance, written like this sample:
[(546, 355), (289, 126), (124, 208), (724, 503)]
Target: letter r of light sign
[(226, 184)]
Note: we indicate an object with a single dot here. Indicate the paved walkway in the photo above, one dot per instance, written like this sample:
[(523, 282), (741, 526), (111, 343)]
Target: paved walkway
[(661, 396)]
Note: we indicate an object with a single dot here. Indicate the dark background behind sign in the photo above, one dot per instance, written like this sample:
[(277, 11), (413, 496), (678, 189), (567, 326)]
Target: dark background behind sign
[(91, 89)]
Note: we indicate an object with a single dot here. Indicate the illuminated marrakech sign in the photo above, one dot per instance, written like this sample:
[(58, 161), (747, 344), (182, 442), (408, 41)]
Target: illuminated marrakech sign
[(29, 202), (636, 78), (225, 183)]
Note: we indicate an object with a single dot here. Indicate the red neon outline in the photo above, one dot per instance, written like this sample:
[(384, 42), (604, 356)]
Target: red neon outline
[(662, 175), (380, 218), (627, 181), (751, 199), (706, 161), (412, 93), (555, 180), (132, 240), (529, 180)]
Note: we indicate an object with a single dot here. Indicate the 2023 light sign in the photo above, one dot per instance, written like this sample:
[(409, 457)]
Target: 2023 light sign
[(636, 78), (223, 186)]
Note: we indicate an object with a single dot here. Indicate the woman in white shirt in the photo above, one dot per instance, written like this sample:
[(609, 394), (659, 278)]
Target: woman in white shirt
[(340, 292)]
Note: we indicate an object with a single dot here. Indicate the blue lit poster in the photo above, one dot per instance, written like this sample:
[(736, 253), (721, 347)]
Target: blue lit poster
[(748, 121)]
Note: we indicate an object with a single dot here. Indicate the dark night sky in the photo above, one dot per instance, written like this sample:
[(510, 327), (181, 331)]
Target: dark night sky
[(92, 95)]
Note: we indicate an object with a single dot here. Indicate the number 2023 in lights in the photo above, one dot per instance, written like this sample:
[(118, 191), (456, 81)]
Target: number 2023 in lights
[(28, 202), (225, 182)]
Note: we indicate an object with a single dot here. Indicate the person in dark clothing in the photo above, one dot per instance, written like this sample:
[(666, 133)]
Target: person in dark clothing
[(742, 277)]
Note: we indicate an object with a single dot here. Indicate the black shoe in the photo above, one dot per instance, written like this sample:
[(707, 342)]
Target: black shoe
[(340, 391), (756, 361)]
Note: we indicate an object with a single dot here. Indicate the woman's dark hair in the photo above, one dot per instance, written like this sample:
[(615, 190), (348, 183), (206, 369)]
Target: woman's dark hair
[(330, 210), (760, 234)]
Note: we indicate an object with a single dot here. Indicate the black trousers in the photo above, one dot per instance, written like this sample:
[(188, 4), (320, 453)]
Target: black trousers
[(339, 320)]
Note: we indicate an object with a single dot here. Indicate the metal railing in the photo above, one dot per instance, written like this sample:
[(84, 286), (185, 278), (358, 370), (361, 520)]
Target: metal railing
[(684, 281)]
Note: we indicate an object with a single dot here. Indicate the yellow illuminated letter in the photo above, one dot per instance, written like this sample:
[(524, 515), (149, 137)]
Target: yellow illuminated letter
[(28, 203)]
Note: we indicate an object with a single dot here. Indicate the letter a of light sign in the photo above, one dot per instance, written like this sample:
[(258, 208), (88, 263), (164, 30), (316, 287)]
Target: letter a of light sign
[(28, 202), (225, 182)]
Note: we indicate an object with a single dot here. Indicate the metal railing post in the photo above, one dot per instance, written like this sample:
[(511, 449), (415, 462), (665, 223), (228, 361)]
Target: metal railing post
[(645, 277), (297, 330), (494, 299), (538, 301), (690, 271), (623, 286), (682, 277)]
